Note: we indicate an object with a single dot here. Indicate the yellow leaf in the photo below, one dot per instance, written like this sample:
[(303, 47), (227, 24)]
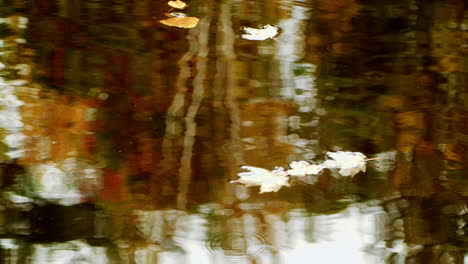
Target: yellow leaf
[(181, 22), (177, 4)]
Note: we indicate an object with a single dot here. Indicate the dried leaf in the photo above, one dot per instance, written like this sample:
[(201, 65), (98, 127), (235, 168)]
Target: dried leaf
[(263, 33), (177, 4), (181, 22), (348, 163), (302, 168), (269, 181)]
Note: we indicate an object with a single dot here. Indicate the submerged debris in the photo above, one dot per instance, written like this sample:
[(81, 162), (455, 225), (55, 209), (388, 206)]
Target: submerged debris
[(266, 32)]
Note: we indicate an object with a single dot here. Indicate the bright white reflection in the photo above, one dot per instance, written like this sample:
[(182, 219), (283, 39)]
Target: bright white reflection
[(10, 250), (19, 21), (157, 225), (10, 118), (295, 237), (161, 227), (191, 231), (59, 182), (297, 77), (70, 252), (336, 238), (11, 124)]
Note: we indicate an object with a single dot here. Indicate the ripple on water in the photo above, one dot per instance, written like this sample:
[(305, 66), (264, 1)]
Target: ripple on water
[(237, 245)]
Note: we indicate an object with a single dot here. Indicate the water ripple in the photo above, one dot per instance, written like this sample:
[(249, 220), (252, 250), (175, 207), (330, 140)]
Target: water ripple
[(238, 245)]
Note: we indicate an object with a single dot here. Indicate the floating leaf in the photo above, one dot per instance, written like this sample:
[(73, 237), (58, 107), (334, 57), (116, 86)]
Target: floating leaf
[(269, 181), (263, 33), (177, 4), (348, 163), (302, 168), (181, 22)]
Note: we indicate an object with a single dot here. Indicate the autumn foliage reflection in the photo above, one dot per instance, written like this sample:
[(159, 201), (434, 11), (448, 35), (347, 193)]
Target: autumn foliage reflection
[(123, 133)]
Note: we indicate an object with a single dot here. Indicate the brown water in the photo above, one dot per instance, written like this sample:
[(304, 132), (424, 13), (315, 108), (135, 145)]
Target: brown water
[(120, 134)]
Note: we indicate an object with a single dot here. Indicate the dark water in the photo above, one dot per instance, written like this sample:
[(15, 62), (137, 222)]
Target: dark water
[(119, 135)]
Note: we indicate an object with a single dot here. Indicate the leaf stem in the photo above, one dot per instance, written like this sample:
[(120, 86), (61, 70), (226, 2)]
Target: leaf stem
[(376, 158)]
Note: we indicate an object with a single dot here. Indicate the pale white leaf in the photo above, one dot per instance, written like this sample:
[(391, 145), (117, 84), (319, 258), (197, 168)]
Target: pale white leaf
[(269, 181), (348, 163), (263, 33), (302, 168)]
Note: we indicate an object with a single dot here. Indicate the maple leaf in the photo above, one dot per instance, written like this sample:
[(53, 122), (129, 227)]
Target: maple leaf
[(302, 168), (348, 163), (266, 32), (269, 181)]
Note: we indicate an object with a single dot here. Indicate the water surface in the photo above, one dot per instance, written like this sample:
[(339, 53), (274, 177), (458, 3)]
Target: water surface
[(120, 135)]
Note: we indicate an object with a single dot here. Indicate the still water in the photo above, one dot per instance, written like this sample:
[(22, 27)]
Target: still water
[(120, 134)]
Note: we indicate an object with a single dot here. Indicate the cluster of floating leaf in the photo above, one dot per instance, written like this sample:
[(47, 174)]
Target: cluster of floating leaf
[(345, 163), (178, 19)]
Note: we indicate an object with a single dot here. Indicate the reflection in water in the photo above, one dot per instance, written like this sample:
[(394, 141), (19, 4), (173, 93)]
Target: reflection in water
[(330, 233), (70, 252), (10, 119), (119, 135)]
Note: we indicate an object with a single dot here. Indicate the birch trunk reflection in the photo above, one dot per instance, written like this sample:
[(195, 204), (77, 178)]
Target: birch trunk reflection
[(226, 83), (172, 144), (185, 170)]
